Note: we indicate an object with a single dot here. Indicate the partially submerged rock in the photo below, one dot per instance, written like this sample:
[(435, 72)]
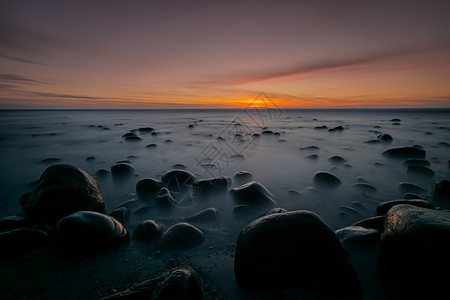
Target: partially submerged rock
[(180, 283), (209, 187), (178, 181), (406, 187), (207, 215), (148, 188), (122, 170), (86, 230), (293, 250), (241, 177), (62, 190), (405, 153), (254, 195), (148, 231), (420, 171), (121, 214), (165, 200), (181, 236), (326, 180)]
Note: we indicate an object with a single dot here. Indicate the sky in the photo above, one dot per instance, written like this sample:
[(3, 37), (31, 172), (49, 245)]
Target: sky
[(223, 54)]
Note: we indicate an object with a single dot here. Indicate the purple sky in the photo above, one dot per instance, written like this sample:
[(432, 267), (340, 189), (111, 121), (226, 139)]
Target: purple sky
[(108, 54)]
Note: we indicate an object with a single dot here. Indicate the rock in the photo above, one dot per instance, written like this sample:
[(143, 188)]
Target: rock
[(310, 148), (180, 283), (441, 193), (62, 190), (121, 214), (16, 242), (242, 177), (254, 195), (357, 235), (420, 171), (148, 188), (405, 153), (148, 231), (276, 210), (416, 162), (241, 210), (207, 215), (90, 158), (326, 180), (312, 157), (412, 196), (179, 166), (129, 134), (164, 199), (181, 236), (151, 146), (209, 187), (372, 223), (383, 207), (360, 179), (14, 222), (86, 230), (293, 250), (51, 160), (415, 244), (385, 138), (122, 170), (146, 130), (133, 139), (102, 173), (337, 128), (396, 120), (265, 132), (372, 142), (323, 127), (364, 187), (406, 187), (178, 181)]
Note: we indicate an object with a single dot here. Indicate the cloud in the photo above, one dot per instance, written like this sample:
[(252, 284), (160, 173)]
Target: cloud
[(325, 65)]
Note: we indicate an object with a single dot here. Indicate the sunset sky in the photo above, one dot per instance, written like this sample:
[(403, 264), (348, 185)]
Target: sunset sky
[(203, 54)]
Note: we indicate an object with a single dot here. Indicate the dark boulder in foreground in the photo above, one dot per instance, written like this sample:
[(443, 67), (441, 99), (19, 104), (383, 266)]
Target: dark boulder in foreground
[(148, 188), (405, 153), (209, 187), (441, 193), (326, 180), (180, 283), (181, 236), (122, 170), (415, 245), (62, 190), (20, 241), (254, 195), (383, 207), (293, 250), (148, 231), (207, 215), (86, 230), (178, 181)]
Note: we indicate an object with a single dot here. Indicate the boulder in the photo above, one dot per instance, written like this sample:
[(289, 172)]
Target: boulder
[(178, 181), (336, 159), (405, 153), (416, 162), (358, 236), (165, 200), (181, 283), (326, 180), (293, 250), (62, 190), (254, 195), (181, 236), (385, 138), (148, 231), (121, 214), (209, 187), (86, 230), (148, 188), (122, 170), (415, 244), (383, 207)]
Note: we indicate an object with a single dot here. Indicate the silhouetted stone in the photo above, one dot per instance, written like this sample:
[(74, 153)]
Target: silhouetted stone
[(62, 190), (326, 180), (151, 146), (336, 129), (51, 160), (148, 231), (405, 153), (383, 207), (293, 250), (181, 283), (122, 170), (146, 129), (133, 139), (385, 138), (416, 162), (86, 230), (310, 148), (178, 181), (254, 195), (102, 173), (148, 188), (121, 214), (181, 236), (209, 187)]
